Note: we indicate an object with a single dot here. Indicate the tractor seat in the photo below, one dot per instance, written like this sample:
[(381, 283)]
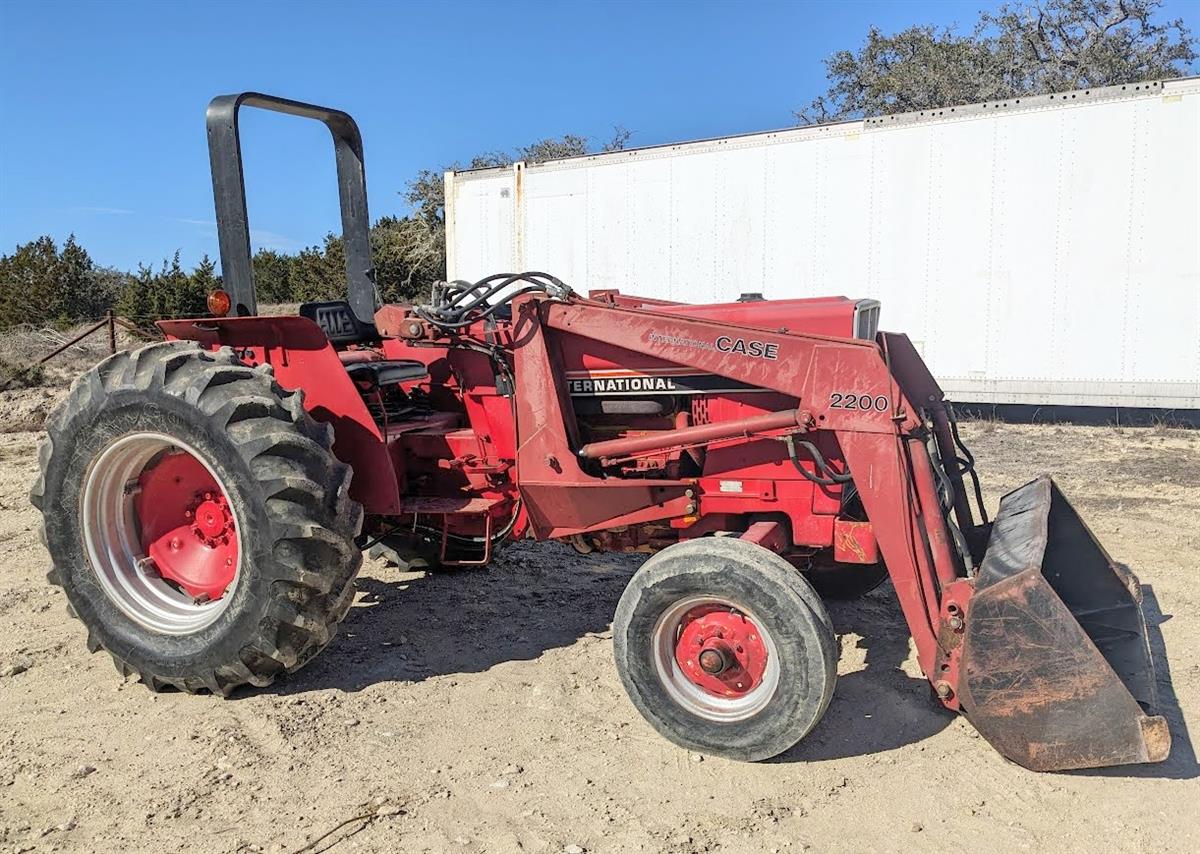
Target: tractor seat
[(386, 372), (340, 326)]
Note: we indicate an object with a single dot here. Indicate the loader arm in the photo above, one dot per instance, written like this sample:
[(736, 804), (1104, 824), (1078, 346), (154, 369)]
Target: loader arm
[(883, 442), (1043, 647)]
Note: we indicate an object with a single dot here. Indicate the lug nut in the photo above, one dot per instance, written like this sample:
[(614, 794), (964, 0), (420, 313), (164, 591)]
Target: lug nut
[(955, 623), (943, 689)]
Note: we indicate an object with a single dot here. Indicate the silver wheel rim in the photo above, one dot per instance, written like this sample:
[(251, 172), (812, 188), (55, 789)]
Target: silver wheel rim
[(112, 542), (687, 693)]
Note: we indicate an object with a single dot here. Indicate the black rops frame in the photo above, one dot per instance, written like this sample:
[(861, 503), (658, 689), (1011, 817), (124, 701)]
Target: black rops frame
[(229, 192)]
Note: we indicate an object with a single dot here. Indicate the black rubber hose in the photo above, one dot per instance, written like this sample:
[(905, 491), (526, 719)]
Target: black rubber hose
[(503, 280), (946, 501), (450, 314), (456, 323), (945, 488), (967, 464), (828, 476)]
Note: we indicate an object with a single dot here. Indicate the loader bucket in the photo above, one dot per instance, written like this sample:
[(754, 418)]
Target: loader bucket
[(1056, 670)]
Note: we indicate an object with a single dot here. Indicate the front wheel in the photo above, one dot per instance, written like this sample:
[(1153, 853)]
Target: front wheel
[(725, 649)]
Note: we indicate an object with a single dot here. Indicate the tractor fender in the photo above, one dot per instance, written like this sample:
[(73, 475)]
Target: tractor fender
[(303, 360)]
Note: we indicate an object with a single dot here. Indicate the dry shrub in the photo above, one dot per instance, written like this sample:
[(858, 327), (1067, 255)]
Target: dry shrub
[(29, 391), (26, 345)]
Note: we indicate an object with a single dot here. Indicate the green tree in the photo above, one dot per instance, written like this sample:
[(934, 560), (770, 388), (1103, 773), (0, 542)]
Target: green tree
[(111, 282), (170, 292), (202, 282), (272, 276), (27, 283), (177, 293), (1024, 48), (80, 294), (41, 284), (135, 302), (319, 272), (409, 256)]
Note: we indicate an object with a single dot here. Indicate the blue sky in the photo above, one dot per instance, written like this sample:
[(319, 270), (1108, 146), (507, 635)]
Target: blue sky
[(103, 102)]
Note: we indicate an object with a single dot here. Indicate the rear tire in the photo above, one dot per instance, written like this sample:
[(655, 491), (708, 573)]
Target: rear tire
[(749, 593), (287, 494)]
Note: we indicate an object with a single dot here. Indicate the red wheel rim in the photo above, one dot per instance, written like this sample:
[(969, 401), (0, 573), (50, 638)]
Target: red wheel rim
[(721, 651), (187, 526)]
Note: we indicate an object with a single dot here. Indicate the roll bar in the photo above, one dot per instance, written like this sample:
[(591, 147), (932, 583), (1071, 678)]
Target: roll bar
[(229, 193)]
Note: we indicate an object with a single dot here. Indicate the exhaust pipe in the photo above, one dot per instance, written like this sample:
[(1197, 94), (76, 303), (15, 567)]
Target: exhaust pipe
[(1056, 666)]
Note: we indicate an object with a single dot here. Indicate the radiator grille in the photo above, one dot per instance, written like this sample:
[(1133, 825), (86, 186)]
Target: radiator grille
[(866, 319)]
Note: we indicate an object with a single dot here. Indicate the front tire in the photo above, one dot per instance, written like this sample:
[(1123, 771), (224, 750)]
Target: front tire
[(725, 649), (196, 519)]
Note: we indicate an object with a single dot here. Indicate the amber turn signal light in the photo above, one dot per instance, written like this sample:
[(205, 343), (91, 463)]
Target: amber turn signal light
[(219, 303)]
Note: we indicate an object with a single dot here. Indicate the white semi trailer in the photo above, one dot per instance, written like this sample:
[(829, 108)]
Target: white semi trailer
[(1041, 250)]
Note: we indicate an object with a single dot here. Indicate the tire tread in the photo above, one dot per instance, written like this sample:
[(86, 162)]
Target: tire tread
[(290, 456)]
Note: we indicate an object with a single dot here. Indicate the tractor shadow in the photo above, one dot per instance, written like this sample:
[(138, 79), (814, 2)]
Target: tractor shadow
[(408, 627), (878, 707), (1181, 764)]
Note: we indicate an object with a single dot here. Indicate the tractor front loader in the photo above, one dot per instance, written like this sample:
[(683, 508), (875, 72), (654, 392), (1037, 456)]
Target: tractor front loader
[(206, 499)]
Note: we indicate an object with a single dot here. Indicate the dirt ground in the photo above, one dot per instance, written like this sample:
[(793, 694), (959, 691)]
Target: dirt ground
[(480, 711)]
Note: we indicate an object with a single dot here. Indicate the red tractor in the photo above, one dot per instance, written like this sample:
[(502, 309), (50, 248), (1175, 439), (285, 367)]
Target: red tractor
[(206, 499)]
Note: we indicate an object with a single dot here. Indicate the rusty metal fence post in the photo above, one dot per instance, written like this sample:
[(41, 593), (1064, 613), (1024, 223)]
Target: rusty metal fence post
[(111, 320)]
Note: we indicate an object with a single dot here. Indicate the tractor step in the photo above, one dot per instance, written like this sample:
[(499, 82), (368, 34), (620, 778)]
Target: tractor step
[(447, 506)]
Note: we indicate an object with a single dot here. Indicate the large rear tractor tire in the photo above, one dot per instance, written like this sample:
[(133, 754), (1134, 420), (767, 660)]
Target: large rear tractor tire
[(196, 519), (725, 649)]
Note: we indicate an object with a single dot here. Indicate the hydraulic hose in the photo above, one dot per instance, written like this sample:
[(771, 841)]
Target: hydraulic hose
[(946, 499), (458, 304), (967, 463), (827, 476)]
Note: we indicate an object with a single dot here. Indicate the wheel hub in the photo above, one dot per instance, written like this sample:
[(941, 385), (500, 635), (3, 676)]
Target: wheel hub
[(715, 660), (159, 532), (187, 527), (721, 651), (213, 522)]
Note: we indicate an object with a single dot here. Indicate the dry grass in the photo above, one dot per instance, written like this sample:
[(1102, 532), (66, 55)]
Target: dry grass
[(26, 345), (279, 309), (29, 391)]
